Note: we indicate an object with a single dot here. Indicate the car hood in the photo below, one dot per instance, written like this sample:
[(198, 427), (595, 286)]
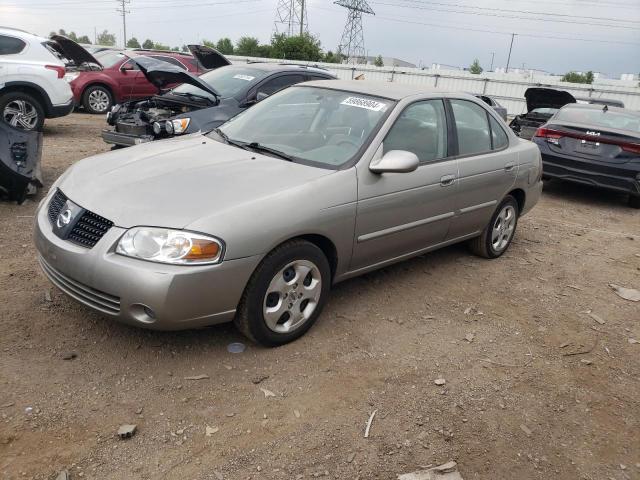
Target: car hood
[(547, 98), (176, 182), (162, 74), (72, 51), (208, 57)]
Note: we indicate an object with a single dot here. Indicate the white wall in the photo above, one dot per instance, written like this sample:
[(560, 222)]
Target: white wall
[(507, 88)]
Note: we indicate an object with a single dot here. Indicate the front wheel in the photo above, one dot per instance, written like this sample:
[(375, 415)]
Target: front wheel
[(97, 99), (497, 235), (285, 295)]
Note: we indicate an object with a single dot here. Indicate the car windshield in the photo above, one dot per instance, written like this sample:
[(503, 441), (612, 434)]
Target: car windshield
[(601, 118), (312, 125), (227, 81), (108, 58)]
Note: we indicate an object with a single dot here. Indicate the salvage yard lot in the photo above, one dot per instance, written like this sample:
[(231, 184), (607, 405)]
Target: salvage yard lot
[(519, 401)]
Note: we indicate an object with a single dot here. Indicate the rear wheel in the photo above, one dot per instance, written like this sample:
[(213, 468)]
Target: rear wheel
[(285, 295), (634, 201), (498, 234), (22, 111), (97, 99)]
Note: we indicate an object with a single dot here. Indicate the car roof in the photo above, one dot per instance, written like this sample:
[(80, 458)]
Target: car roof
[(593, 106), (392, 91), (142, 51), (286, 67), (16, 32)]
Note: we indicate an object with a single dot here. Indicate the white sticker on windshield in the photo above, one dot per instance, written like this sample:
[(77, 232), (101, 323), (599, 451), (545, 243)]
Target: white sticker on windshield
[(246, 78), (364, 103)]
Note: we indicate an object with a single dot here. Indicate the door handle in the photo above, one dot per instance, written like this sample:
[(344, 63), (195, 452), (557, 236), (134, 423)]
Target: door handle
[(447, 180), (509, 166)]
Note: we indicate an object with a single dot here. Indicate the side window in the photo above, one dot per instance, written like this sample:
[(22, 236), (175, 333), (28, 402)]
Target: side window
[(318, 77), (171, 60), (499, 138), (422, 129), (278, 83), (472, 126), (11, 45)]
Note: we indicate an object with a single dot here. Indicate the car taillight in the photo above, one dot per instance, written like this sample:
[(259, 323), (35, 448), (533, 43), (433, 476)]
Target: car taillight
[(631, 147), (551, 136), (60, 70)]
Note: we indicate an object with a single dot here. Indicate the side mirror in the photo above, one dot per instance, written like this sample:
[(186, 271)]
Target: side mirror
[(261, 96), (126, 66), (395, 161)]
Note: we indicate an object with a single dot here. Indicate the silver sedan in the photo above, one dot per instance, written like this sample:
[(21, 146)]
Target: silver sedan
[(256, 220)]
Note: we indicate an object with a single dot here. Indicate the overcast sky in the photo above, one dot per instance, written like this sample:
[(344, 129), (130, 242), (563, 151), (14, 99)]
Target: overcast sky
[(598, 35)]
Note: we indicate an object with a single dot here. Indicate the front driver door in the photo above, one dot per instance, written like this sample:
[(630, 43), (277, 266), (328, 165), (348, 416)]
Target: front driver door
[(402, 213)]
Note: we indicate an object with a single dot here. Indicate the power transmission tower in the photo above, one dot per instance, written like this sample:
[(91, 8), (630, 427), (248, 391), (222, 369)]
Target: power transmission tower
[(352, 41), (123, 11), (291, 18)]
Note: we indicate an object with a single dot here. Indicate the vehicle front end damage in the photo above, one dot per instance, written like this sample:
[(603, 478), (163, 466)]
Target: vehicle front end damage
[(163, 115), (542, 104), (20, 154)]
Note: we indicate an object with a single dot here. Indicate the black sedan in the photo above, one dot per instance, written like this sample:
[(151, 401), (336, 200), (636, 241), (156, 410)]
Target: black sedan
[(593, 145)]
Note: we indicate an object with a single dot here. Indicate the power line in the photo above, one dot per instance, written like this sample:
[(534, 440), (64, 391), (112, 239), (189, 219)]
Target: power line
[(502, 16), (123, 11)]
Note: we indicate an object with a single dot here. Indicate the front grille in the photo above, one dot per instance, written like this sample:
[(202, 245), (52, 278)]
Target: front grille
[(86, 229), (90, 228), (96, 299), (57, 202)]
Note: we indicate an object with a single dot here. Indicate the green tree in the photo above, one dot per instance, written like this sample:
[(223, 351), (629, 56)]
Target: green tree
[(378, 62), (185, 48), (84, 39), (161, 46), (73, 36), (225, 46), (208, 43), (133, 43), (175, 49), (305, 47), (264, 51), (147, 44), (106, 38), (247, 46), (475, 67), (575, 77)]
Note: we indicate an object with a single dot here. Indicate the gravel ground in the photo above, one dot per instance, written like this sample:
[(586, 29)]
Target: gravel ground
[(519, 400)]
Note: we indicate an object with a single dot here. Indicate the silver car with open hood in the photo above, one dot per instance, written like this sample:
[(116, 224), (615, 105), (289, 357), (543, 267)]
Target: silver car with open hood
[(256, 220)]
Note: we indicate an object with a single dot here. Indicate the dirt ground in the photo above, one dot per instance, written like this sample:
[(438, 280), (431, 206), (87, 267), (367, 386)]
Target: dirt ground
[(516, 404)]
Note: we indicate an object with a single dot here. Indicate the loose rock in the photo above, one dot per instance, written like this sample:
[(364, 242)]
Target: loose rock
[(439, 381), (127, 431), (197, 377)]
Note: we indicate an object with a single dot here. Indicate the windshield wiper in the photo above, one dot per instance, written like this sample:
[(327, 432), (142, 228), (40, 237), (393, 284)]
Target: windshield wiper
[(192, 95), (263, 148)]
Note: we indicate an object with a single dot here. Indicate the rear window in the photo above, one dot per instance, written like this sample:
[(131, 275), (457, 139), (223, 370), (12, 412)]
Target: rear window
[(11, 45), (601, 118)]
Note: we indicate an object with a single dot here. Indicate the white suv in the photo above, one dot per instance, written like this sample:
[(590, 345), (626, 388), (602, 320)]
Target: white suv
[(32, 83)]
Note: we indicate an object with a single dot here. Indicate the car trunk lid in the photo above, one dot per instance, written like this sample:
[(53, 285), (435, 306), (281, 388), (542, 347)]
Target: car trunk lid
[(589, 143), (208, 57)]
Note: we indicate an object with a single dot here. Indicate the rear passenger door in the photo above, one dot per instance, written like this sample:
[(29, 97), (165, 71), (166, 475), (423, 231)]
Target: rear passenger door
[(402, 213), (487, 167)]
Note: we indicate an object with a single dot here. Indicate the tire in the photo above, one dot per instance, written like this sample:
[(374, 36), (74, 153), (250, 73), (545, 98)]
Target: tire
[(634, 201), (22, 111), (97, 99), (266, 313), (484, 246)]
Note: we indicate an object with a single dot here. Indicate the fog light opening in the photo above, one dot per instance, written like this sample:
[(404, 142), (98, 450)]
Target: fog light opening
[(143, 313)]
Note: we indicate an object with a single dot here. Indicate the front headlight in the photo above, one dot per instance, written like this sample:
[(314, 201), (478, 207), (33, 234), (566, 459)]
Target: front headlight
[(177, 126), (71, 76), (176, 247)]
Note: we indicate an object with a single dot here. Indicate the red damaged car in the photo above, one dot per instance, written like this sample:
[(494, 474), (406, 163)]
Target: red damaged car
[(114, 78)]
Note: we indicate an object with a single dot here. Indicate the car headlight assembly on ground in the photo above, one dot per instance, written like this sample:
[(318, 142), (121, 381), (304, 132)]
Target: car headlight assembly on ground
[(177, 247)]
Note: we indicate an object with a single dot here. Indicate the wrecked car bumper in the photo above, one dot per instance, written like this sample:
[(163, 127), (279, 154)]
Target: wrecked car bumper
[(20, 154), (140, 293), (124, 139)]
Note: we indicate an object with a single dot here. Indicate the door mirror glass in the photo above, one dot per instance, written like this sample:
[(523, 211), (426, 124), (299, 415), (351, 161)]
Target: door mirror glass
[(395, 161), (261, 96), (126, 66)]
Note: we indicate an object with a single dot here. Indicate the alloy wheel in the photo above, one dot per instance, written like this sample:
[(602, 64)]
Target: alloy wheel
[(20, 114), (292, 296), (503, 228), (99, 101)]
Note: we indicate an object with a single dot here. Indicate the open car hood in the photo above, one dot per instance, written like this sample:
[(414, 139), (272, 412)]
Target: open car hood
[(162, 74), (72, 51), (547, 98), (208, 57)]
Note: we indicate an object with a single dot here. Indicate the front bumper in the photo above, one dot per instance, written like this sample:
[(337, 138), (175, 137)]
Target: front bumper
[(178, 297), (618, 177), (124, 139), (62, 110)]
